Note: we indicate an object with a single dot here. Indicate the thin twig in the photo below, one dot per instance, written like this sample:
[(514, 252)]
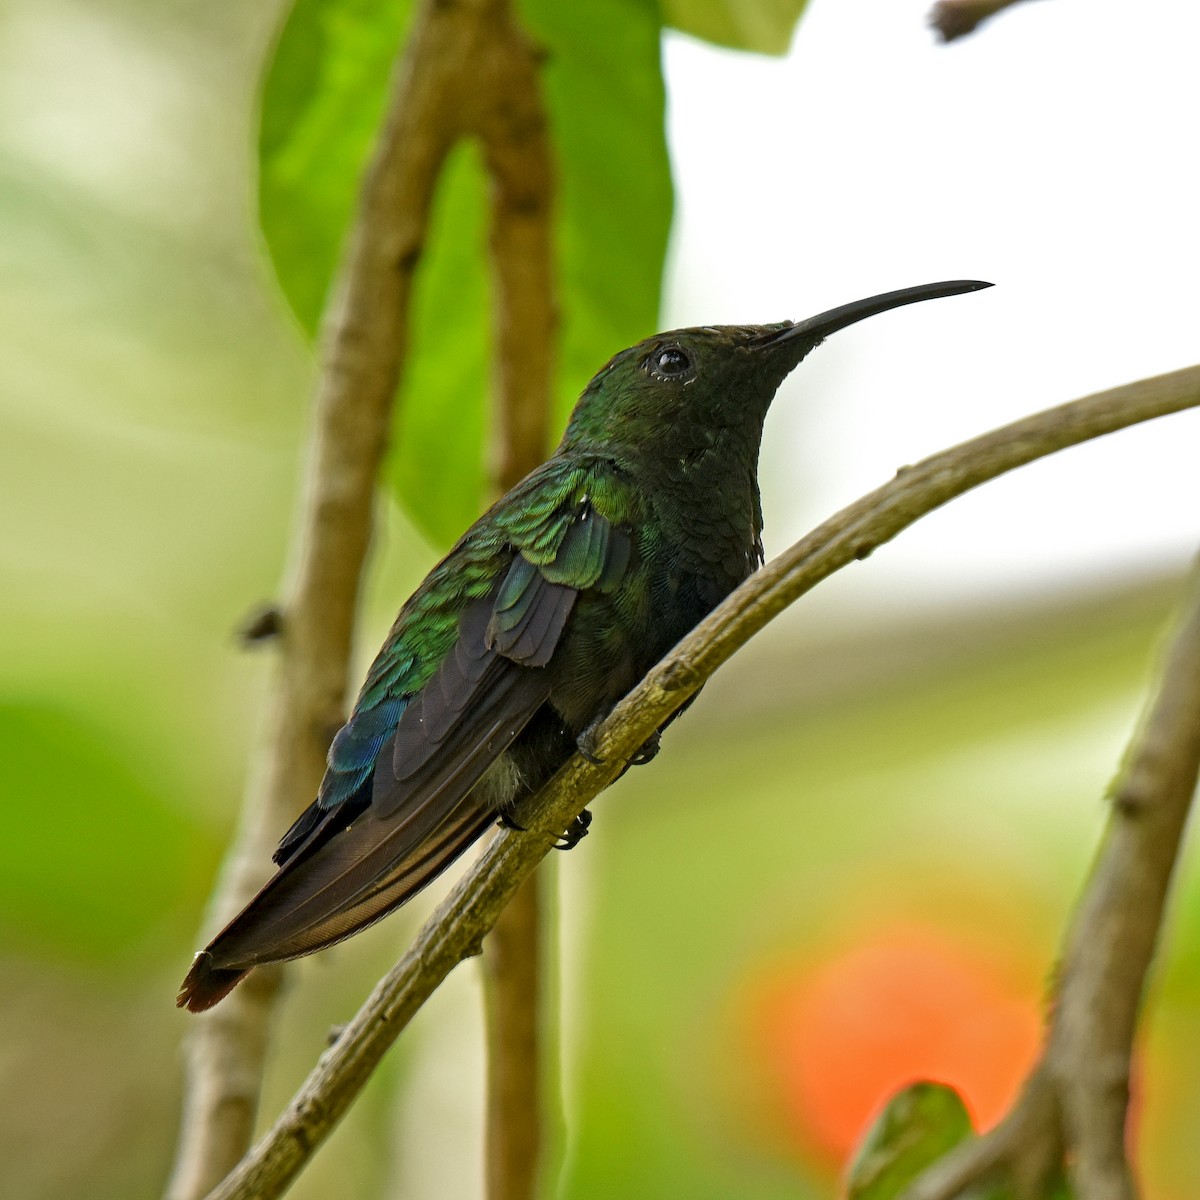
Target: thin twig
[(952, 19), (456, 930), (516, 151), (1071, 1116), (366, 329)]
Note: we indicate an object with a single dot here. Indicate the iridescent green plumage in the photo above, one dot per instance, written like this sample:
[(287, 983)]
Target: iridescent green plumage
[(547, 611)]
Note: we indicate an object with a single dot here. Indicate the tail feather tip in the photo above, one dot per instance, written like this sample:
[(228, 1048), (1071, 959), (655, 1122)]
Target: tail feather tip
[(205, 985)]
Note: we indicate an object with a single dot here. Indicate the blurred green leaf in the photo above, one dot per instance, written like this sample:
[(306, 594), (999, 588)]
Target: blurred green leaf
[(604, 89), (322, 103), (603, 85), (1060, 1189), (91, 857), (765, 26), (436, 465), (918, 1126)]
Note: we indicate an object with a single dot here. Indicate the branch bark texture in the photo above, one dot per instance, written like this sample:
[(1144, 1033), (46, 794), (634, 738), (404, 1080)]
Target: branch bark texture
[(1071, 1116), (365, 343), (457, 928), (513, 966)]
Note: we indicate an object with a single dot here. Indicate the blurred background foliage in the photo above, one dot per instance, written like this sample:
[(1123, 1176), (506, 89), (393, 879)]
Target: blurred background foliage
[(849, 870)]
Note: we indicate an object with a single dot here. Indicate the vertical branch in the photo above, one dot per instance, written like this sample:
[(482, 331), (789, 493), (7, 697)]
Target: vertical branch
[(518, 157), (517, 154), (512, 973), (1072, 1113), (365, 336), (1116, 930)]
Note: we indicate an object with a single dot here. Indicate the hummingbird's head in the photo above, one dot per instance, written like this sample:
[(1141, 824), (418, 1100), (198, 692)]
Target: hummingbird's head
[(714, 379)]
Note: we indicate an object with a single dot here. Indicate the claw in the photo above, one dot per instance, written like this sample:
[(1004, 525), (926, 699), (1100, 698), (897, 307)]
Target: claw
[(647, 750), (585, 743), (506, 822), (575, 832)]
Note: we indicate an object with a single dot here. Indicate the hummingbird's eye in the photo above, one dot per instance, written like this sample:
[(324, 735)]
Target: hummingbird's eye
[(669, 363)]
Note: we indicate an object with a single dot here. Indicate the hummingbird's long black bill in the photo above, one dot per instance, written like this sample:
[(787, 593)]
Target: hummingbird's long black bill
[(821, 326)]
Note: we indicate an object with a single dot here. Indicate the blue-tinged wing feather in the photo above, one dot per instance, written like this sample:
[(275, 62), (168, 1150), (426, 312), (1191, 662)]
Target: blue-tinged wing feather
[(402, 798)]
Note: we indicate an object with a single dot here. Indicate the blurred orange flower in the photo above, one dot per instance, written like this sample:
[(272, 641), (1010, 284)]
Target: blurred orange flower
[(840, 1035)]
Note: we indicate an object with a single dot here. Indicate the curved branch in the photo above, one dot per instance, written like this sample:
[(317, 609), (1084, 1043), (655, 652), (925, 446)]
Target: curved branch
[(456, 929)]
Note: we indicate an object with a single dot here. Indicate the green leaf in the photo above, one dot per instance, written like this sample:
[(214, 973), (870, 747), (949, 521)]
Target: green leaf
[(436, 468), (921, 1124), (322, 105), (765, 26), (607, 102), (918, 1126)]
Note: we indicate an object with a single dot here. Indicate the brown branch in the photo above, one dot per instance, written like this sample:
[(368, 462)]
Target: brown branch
[(365, 344), (513, 968), (516, 148), (456, 930), (952, 19), (1071, 1115)]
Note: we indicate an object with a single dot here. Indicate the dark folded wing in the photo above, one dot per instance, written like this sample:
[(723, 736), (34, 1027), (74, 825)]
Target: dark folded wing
[(422, 804)]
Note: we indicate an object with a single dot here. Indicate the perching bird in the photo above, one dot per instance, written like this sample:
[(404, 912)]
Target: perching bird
[(519, 642)]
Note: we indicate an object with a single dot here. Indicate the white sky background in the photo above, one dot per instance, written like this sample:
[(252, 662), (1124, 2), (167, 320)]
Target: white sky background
[(1054, 153)]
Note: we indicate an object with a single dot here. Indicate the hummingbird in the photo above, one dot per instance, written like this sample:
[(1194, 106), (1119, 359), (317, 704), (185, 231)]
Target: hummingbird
[(549, 609)]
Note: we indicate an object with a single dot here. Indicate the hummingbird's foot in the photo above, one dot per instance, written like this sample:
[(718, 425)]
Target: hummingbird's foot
[(585, 743), (506, 822), (647, 750), (575, 832)]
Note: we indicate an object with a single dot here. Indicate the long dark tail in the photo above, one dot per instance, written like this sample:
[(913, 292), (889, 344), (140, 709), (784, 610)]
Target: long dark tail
[(317, 902)]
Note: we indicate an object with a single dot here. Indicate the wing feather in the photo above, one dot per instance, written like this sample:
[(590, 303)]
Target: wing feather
[(404, 797)]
